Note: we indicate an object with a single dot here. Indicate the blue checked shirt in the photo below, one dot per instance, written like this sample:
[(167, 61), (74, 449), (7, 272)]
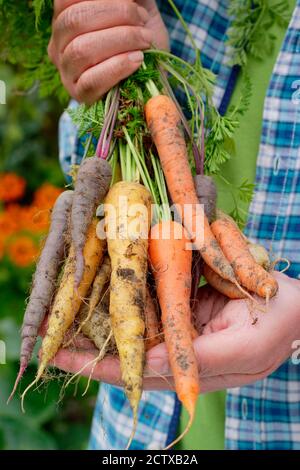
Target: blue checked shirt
[(264, 415)]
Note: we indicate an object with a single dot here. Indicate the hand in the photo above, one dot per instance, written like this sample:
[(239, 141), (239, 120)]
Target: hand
[(231, 351), (97, 43)]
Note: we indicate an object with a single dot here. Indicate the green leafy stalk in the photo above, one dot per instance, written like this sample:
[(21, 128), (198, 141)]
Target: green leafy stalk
[(131, 150), (165, 213), (250, 30), (244, 192), (241, 107), (88, 119), (113, 160), (39, 6), (187, 30), (159, 210), (25, 45), (122, 159)]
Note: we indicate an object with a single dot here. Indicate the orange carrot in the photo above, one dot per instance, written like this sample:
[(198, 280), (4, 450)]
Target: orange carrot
[(222, 285), (250, 274), (164, 121), (171, 264), (151, 323)]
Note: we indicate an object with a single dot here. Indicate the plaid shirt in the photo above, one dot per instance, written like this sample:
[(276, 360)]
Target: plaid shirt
[(264, 415)]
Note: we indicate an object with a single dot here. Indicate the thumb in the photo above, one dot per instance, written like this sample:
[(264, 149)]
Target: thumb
[(216, 353), (219, 353)]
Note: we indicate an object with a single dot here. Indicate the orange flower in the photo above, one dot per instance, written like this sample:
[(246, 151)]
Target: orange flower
[(9, 224), (14, 211), (41, 220), (45, 196), (22, 251), (12, 187), (29, 218), (34, 220)]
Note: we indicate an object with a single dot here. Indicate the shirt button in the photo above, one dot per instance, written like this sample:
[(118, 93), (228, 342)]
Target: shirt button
[(276, 165), (244, 409)]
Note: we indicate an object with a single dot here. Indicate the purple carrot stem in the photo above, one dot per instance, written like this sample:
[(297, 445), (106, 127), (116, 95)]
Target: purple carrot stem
[(101, 138), (105, 150), (103, 132), (20, 374), (111, 127), (110, 135), (197, 158), (106, 135)]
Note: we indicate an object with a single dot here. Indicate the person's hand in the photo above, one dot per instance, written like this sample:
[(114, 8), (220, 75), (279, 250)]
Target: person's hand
[(97, 43), (231, 351)]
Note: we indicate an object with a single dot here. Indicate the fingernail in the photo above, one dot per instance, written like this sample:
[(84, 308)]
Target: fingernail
[(147, 35), (136, 56), (143, 14)]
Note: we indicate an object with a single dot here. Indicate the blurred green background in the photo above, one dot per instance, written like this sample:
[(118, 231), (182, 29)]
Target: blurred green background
[(28, 152)]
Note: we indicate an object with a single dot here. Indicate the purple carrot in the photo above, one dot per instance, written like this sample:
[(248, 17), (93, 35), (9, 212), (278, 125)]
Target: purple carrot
[(207, 195), (197, 268), (44, 281), (92, 183)]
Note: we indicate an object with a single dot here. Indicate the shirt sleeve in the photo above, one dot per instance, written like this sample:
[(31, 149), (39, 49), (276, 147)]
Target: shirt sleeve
[(71, 148)]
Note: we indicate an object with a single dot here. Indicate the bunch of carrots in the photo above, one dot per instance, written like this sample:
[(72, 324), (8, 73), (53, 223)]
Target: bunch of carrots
[(115, 238)]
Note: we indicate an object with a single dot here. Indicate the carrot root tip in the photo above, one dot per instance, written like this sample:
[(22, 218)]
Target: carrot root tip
[(19, 376), (181, 436), (281, 260), (135, 423), (245, 292)]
